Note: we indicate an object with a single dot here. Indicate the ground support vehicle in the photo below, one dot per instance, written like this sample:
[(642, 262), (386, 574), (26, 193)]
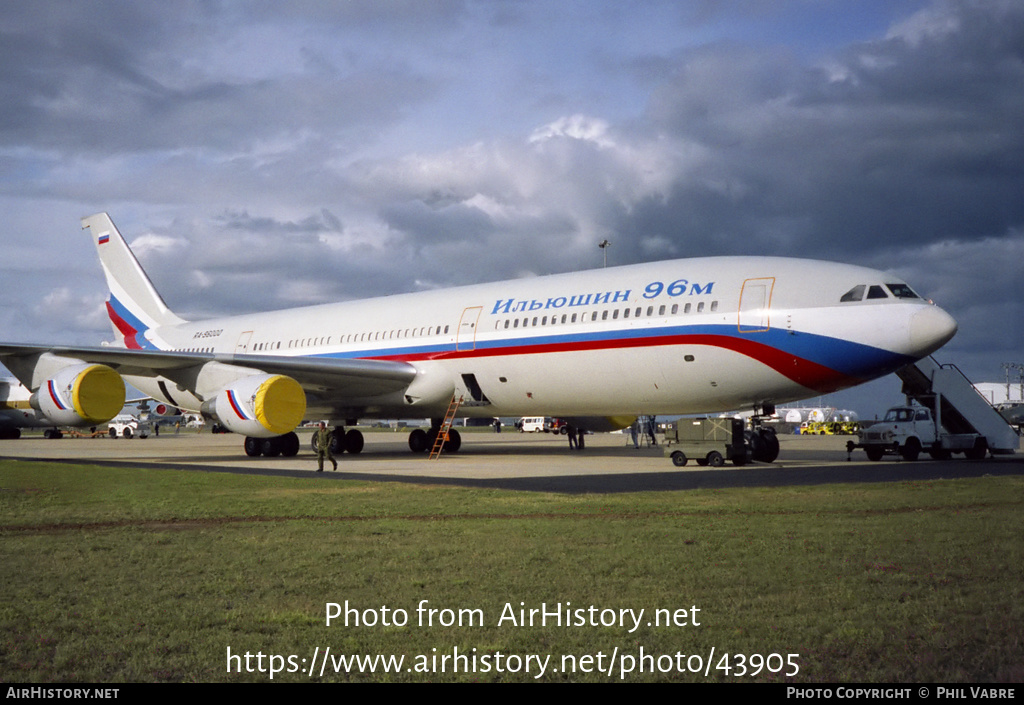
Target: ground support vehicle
[(708, 441), (950, 416), (127, 426), (906, 431)]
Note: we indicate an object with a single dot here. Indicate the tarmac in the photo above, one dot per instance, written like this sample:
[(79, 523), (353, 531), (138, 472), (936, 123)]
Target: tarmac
[(531, 462)]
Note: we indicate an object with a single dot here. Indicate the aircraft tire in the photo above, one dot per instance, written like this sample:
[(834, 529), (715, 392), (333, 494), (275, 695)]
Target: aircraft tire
[(337, 442), (290, 444), (271, 447), (253, 447), (773, 446), (764, 445), (454, 441), (354, 442), (418, 440)]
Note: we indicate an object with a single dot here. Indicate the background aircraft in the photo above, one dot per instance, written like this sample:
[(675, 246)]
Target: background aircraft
[(16, 411), (597, 348)]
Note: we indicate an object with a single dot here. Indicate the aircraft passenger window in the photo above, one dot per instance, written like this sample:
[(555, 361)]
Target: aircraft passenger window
[(854, 294), (714, 305), (604, 315), (650, 310), (625, 314), (661, 310), (902, 291), (515, 323), (687, 307), (615, 315), (446, 329), (877, 292), (675, 309), (700, 307), (506, 325), (535, 320), (573, 318)]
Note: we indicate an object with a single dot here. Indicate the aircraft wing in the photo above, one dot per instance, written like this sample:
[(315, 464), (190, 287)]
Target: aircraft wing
[(325, 377)]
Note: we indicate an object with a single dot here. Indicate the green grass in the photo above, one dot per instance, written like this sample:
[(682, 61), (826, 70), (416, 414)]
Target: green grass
[(151, 575)]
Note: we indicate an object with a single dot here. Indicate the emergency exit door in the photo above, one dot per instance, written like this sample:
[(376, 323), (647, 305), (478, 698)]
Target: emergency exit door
[(465, 337)]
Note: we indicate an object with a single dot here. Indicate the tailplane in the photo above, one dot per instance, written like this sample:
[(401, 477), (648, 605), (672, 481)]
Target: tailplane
[(134, 306)]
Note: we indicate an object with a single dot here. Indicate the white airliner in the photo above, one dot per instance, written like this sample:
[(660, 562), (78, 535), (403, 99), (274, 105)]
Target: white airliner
[(597, 348)]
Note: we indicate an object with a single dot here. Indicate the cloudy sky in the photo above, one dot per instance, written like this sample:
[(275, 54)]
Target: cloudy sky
[(264, 155)]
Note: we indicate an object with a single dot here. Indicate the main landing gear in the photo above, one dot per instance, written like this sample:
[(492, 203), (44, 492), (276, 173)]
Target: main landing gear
[(342, 441), (421, 441), (286, 445)]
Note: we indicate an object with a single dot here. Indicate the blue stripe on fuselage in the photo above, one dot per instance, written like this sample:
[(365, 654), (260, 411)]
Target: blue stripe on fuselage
[(846, 357)]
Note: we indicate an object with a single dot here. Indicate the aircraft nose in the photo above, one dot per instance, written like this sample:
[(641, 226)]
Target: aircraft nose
[(930, 329)]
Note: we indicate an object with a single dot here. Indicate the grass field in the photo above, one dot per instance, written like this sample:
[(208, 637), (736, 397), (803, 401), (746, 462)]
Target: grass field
[(113, 575)]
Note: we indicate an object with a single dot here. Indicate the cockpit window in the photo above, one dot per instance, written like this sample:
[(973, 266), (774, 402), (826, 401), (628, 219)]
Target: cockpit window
[(902, 291), (854, 294), (877, 292)]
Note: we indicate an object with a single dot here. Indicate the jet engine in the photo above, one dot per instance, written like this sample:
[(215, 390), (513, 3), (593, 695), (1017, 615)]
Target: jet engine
[(259, 406), (161, 410), (80, 395)]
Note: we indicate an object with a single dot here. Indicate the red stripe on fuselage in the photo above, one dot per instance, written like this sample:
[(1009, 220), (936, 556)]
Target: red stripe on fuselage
[(802, 371)]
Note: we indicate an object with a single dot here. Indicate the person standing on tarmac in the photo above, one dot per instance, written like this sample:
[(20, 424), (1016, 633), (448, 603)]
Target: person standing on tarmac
[(323, 448)]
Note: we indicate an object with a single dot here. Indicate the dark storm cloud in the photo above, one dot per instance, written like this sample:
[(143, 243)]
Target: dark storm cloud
[(904, 137), (102, 77)]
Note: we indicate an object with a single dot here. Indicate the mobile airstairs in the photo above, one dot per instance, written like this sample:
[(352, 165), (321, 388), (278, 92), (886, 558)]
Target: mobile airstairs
[(957, 406)]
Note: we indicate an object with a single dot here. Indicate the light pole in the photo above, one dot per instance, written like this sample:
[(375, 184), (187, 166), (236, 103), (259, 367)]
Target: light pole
[(604, 245)]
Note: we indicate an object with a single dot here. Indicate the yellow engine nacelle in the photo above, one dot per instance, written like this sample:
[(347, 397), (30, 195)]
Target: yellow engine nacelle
[(260, 406), (80, 395)]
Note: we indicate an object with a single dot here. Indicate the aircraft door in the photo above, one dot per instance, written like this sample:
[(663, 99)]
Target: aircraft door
[(242, 346), (465, 338), (755, 305)]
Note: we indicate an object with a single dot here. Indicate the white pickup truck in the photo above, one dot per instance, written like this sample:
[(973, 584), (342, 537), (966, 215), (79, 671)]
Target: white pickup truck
[(908, 430)]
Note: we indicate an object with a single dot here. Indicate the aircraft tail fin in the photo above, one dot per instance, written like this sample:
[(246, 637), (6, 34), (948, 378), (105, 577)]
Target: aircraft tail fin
[(133, 305)]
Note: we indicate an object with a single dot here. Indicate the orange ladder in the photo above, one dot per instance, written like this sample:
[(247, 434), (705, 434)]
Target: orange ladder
[(446, 425)]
